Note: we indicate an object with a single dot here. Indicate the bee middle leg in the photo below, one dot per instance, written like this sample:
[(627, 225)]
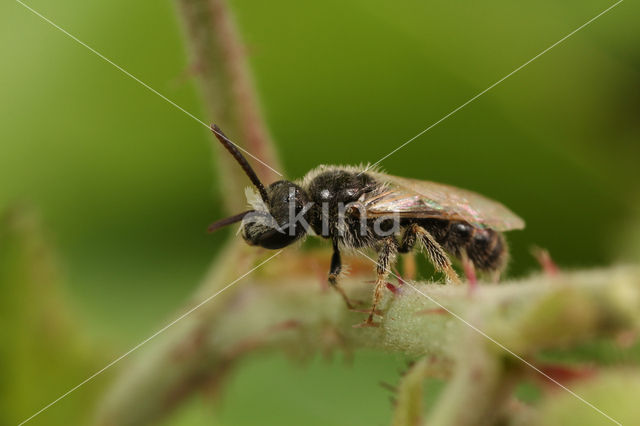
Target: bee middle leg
[(436, 253), (386, 255)]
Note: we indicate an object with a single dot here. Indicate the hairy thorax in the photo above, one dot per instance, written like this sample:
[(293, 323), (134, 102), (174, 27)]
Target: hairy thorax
[(337, 211)]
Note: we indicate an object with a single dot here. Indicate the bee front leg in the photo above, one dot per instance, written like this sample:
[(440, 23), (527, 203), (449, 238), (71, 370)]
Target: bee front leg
[(336, 268), (386, 255)]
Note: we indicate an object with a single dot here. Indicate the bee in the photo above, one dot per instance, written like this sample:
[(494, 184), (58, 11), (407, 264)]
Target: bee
[(357, 208)]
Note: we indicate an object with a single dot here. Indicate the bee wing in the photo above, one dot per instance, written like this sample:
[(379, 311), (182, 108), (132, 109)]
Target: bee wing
[(423, 199)]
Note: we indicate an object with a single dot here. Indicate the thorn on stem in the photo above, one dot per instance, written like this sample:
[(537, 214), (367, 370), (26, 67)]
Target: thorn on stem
[(388, 387), (469, 272), (366, 311), (401, 280), (433, 311), (544, 259), (367, 324), (393, 289), (564, 373)]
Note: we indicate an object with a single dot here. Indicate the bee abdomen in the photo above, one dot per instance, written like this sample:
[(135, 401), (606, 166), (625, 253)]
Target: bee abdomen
[(487, 249)]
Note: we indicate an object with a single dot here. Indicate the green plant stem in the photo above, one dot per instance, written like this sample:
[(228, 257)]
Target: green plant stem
[(219, 62), (44, 344), (272, 311)]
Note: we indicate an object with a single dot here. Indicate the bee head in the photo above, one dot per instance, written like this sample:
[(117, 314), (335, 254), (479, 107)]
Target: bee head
[(278, 222), (277, 218)]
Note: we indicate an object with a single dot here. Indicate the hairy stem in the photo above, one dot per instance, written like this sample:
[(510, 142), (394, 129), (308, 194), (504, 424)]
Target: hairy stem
[(288, 312)]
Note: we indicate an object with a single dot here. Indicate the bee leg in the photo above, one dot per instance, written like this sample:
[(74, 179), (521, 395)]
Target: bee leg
[(436, 254), (408, 239), (386, 255), (336, 268)]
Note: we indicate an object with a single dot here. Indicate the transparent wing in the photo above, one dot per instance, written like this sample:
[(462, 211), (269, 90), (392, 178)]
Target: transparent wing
[(424, 199)]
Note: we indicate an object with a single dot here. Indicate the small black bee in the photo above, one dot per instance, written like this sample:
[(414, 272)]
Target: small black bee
[(359, 208)]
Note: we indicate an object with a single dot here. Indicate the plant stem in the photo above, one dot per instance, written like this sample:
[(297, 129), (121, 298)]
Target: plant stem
[(219, 61), (280, 308)]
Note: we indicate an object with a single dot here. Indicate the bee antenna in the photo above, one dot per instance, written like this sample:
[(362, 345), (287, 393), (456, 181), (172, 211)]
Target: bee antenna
[(228, 221), (233, 149)]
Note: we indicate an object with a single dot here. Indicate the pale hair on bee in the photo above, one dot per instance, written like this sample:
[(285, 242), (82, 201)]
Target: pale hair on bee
[(254, 201)]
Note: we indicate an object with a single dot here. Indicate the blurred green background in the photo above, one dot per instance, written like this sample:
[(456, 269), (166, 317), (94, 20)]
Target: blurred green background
[(125, 186)]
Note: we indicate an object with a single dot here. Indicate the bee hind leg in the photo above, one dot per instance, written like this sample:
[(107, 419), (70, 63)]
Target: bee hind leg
[(435, 252)]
